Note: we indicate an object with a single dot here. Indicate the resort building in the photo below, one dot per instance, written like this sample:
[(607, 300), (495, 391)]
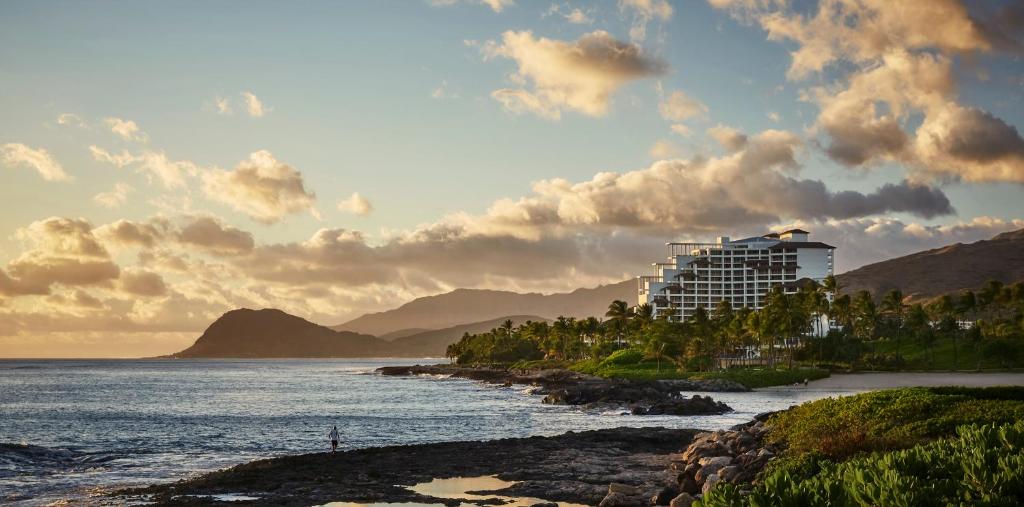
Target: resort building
[(741, 272)]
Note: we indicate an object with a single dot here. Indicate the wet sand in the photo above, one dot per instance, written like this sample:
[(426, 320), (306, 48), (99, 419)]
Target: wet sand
[(889, 380)]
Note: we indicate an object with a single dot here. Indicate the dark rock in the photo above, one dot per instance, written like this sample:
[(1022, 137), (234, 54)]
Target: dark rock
[(665, 496)]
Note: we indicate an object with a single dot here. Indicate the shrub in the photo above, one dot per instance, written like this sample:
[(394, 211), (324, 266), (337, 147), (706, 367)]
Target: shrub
[(623, 357), (843, 427), (981, 465)]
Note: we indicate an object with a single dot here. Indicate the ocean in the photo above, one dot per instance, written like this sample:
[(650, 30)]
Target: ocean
[(70, 429)]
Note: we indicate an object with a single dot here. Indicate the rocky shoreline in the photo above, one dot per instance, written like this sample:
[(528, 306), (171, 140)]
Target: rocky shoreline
[(575, 467), (564, 387), (620, 467)]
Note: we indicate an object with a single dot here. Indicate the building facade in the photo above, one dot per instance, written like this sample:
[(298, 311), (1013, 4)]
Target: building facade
[(741, 272)]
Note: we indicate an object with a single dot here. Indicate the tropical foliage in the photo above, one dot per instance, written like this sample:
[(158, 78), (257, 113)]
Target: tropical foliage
[(939, 446), (817, 325)]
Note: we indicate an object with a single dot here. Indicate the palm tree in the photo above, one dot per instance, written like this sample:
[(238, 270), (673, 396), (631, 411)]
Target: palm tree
[(618, 312), (701, 330), (643, 314), (864, 315), (831, 285), (892, 304), (943, 311)]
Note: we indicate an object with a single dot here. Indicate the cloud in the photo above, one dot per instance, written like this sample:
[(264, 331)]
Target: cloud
[(70, 119), (679, 106), (495, 5), (115, 197), (142, 283), (222, 105), (356, 204), (897, 66), (862, 241), (443, 92), (262, 187), (154, 164), (773, 116), (126, 233), (18, 155), (63, 251), (581, 75), (730, 138), (643, 12), (681, 129), (663, 148), (126, 129), (253, 105), (212, 235)]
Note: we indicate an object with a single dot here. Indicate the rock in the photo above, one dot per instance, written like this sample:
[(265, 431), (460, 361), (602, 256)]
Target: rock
[(545, 504), (729, 472), (664, 496), (719, 461), (621, 500), (623, 489), (689, 485), (683, 500), (710, 483)]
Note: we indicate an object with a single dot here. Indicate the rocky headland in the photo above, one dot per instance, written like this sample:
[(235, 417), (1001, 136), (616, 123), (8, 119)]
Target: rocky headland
[(565, 387)]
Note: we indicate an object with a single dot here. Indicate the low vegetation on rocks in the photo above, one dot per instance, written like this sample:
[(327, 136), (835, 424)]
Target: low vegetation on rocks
[(914, 446)]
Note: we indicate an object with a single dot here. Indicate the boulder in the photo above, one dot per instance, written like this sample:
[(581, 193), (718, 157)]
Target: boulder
[(710, 483), (728, 473), (624, 489), (683, 500), (664, 496), (689, 485)]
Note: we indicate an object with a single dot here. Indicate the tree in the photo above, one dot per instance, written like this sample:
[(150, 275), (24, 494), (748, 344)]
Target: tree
[(643, 314), (701, 334), (618, 313), (918, 324), (942, 310), (892, 304)]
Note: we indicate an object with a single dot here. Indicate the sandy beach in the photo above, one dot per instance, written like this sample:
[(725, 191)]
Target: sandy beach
[(888, 380)]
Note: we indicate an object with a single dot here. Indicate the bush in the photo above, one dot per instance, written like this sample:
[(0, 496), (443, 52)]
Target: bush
[(897, 418), (622, 358), (981, 465), (758, 377)]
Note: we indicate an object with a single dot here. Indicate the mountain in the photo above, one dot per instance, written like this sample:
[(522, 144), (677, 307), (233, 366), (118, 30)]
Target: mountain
[(460, 306), (943, 270), (435, 343), (273, 333)]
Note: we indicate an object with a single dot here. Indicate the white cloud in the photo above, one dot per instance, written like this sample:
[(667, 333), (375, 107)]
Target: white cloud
[(70, 119), (643, 12), (663, 148), (679, 106), (580, 75), (18, 155), (154, 164), (126, 129), (222, 105), (115, 197), (495, 5), (681, 129), (262, 187), (356, 204), (730, 138), (253, 105), (773, 116)]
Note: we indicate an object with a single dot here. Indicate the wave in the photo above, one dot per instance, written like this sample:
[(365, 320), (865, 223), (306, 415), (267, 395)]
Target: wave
[(18, 459)]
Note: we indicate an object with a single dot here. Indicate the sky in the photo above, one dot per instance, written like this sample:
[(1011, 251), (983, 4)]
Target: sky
[(162, 163)]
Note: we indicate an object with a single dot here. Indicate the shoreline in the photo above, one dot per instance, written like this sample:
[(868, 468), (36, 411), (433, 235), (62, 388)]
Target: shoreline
[(873, 381), (574, 467)]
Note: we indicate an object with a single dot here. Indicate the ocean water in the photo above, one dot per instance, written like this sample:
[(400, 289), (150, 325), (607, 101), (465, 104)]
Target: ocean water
[(72, 428)]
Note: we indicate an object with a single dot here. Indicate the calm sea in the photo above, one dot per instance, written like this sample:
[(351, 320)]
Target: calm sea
[(70, 428)]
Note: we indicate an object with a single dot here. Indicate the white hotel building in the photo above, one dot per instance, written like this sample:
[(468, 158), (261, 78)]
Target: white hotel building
[(741, 272)]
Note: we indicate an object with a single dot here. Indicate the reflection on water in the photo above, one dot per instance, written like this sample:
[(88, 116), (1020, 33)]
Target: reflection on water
[(458, 488)]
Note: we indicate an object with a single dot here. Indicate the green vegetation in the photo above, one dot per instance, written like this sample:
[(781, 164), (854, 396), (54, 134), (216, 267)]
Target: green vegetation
[(782, 343), (916, 446), (981, 465)]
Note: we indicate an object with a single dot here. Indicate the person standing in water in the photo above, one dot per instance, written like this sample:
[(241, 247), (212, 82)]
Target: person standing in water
[(333, 435)]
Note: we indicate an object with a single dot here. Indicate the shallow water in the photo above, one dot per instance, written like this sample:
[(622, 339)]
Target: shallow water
[(67, 427), (459, 487)]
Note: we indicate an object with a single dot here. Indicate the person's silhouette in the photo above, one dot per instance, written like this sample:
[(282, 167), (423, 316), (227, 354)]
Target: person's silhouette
[(333, 435)]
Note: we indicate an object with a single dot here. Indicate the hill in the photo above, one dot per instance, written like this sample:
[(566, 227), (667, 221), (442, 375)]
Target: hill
[(273, 333), (951, 268), (434, 343), (461, 306)]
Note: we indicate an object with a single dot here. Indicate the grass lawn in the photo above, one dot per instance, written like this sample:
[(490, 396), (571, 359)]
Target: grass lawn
[(918, 357), (623, 366)]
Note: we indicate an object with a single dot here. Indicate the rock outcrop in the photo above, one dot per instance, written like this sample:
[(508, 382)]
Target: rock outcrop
[(564, 387)]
